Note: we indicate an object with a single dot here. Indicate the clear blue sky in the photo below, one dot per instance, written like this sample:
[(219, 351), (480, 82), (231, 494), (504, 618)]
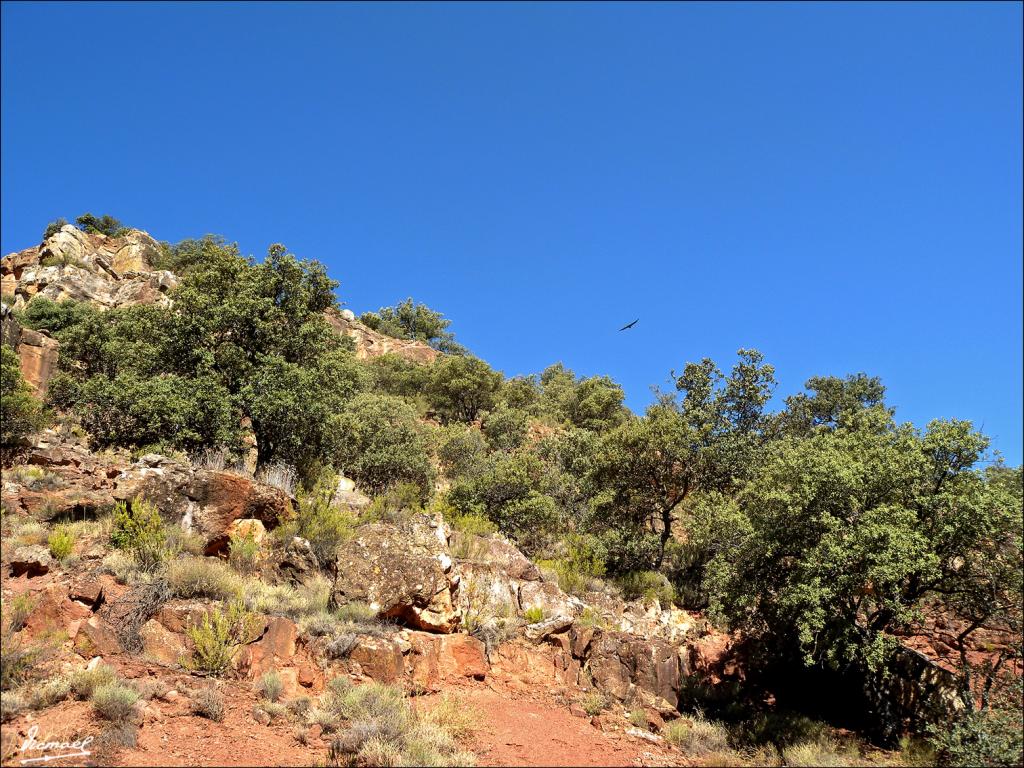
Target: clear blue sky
[(836, 185)]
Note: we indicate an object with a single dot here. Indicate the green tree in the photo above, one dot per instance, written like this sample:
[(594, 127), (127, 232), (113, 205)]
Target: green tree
[(418, 322), (380, 443), (505, 428), (101, 225), (593, 403), (54, 227), (647, 468), (461, 387), (847, 534)]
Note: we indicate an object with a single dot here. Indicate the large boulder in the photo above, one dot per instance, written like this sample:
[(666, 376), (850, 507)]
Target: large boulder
[(402, 571), (205, 501)]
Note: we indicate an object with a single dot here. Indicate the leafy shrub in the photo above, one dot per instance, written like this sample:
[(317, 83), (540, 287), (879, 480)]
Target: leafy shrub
[(101, 225), (594, 703), (114, 701), (395, 505), (472, 524), (216, 639), (533, 614), (54, 227), (191, 577), (380, 443), (987, 738), (270, 686), (505, 428), (61, 542), (647, 586), (453, 715), (20, 411), (139, 529), (409, 320), (321, 522), (461, 388), (208, 703)]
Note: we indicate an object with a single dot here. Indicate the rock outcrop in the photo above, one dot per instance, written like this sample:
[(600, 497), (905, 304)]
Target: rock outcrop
[(402, 571), (369, 343), (105, 271), (37, 351)]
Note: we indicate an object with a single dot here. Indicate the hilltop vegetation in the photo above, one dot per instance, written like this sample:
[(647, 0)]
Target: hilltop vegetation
[(820, 531)]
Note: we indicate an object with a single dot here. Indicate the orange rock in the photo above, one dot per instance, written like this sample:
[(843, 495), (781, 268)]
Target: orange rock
[(160, 644)]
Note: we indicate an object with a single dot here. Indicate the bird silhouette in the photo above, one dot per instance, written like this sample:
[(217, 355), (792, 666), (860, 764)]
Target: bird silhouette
[(629, 325)]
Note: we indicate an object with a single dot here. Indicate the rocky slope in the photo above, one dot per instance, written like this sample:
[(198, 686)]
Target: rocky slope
[(113, 272)]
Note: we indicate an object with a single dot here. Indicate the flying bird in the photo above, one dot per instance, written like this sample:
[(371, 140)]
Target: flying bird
[(629, 325)]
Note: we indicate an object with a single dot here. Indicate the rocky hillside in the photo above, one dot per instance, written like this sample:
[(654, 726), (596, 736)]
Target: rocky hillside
[(361, 594)]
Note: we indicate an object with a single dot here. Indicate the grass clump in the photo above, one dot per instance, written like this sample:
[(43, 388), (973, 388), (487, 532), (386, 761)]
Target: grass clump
[(533, 614), (695, 736), (270, 686), (61, 542), (192, 577), (216, 639), (594, 703), (114, 701), (84, 682), (47, 693), (208, 703), (244, 552)]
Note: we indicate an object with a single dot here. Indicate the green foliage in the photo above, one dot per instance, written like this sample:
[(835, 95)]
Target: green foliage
[(849, 531), (394, 375), (192, 577), (85, 681), (593, 403), (505, 428), (54, 227), (533, 614), (380, 443), (324, 524), (114, 701), (647, 586), (581, 566), (216, 639), (460, 388), (43, 314), (61, 542), (993, 737), (461, 451), (244, 552), (409, 320), (139, 529), (594, 703), (270, 686), (100, 225), (20, 412)]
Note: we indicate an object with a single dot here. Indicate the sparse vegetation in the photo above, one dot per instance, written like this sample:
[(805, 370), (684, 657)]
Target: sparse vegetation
[(695, 736), (114, 701), (216, 639), (208, 703), (61, 542), (270, 687), (192, 577)]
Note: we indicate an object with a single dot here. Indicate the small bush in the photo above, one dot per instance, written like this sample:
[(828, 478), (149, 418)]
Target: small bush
[(473, 524), (61, 542), (117, 736), (638, 718), (121, 566), (647, 586), (270, 686), (114, 701), (11, 705), (533, 614), (453, 715), (594, 703), (192, 577), (85, 682), (306, 599), (54, 227), (244, 552), (208, 703), (321, 522), (139, 529), (47, 693), (100, 225), (696, 736), (216, 638)]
